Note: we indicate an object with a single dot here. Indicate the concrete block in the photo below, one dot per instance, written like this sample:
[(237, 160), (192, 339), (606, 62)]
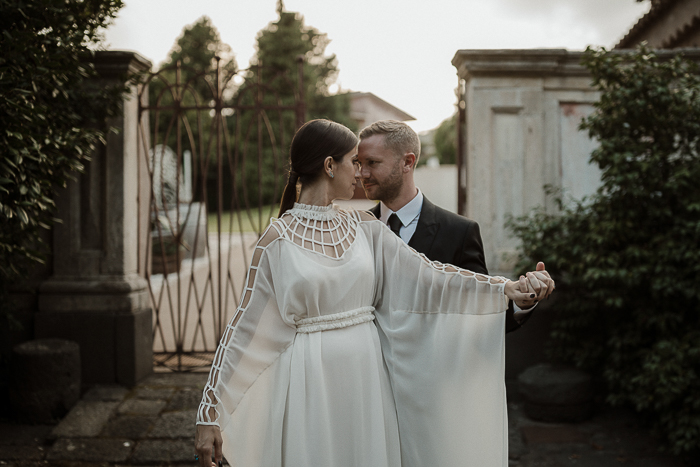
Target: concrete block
[(175, 425), (94, 332), (556, 393), (547, 384), (45, 379), (87, 419), (91, 450)]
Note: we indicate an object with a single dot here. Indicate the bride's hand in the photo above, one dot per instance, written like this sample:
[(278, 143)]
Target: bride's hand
[(512, 291), (206, 437), (537, 285)]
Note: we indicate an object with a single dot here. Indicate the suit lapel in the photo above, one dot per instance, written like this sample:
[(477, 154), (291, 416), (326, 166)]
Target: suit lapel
[(376, 210), (426, 230)]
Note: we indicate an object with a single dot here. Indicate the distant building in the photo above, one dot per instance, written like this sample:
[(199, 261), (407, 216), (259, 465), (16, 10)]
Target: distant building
[(366, 108), (669, 24)]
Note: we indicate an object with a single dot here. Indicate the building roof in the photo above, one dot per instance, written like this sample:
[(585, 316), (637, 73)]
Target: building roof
[(392, 111), (655, 14)]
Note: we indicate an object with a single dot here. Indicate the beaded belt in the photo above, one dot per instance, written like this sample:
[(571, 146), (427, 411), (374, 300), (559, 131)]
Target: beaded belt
[(336, 320)]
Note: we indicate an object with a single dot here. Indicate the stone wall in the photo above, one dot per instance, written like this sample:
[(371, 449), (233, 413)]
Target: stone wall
[(438, 184), (96, 294)]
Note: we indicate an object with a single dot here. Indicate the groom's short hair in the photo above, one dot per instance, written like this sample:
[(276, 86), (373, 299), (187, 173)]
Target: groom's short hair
[(398, 136)]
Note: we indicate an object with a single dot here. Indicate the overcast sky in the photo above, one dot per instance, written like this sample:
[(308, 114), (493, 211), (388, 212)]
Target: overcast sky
[(400, 50)]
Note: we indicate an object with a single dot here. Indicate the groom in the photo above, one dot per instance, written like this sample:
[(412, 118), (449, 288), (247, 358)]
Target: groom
[(388, 153)]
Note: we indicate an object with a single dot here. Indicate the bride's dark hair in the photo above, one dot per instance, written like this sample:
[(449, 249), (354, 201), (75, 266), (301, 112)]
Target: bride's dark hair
[(312, 143)]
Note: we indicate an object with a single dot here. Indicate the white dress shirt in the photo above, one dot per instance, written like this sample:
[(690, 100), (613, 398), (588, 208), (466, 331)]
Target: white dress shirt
[(408, 215)]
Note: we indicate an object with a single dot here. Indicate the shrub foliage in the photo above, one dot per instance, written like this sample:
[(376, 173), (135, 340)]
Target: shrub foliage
[(627, 260), (51, 120)]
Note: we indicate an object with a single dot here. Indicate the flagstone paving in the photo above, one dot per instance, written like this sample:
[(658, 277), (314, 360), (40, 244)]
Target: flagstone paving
[(153, 424)]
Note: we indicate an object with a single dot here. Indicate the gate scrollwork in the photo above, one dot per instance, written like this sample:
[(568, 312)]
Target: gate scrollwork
[(215, 146)]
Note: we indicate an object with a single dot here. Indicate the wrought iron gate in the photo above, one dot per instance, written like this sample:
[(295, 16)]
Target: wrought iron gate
[(215, 144)]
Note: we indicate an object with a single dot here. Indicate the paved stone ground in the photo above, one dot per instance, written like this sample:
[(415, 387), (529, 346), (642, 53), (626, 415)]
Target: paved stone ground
[(613, 437), (153, 424)]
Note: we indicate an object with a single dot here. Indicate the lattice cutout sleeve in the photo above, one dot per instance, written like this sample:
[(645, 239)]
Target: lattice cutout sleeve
[(409, 281), (254, 339)]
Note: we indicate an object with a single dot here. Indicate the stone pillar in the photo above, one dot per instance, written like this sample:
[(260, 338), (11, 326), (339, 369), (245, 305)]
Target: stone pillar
[(97, 295), (523, 108)]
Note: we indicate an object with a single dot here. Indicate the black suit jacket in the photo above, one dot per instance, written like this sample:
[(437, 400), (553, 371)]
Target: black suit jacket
[(452, 239)]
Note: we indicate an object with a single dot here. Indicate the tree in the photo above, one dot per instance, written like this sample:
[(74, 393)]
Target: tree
[(445, 138), (51, 118), (627, 260), (197, 50), (278, 47)]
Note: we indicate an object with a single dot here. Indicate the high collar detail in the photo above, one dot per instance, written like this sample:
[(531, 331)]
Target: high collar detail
[(319, 213)]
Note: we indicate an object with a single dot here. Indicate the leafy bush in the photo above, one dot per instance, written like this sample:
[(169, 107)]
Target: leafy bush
[(627, 260), (51, 118)]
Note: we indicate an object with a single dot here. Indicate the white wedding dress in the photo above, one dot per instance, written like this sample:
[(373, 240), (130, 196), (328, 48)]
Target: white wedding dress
[(351, 349)]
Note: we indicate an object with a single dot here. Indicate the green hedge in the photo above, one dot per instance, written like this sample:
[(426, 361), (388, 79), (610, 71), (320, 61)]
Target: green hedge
[(51, 120)]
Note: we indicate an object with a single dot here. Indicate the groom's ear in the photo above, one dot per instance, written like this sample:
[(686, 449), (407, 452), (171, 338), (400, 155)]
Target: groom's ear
[(409, 162)]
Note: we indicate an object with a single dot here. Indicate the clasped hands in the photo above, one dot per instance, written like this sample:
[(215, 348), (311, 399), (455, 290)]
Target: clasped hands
[(530, 288)]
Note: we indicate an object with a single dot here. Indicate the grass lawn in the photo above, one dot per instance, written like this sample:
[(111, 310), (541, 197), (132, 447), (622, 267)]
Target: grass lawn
[(250, 220)]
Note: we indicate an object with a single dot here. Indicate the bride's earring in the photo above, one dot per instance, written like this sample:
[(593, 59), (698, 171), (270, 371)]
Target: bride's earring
[(330, 173)]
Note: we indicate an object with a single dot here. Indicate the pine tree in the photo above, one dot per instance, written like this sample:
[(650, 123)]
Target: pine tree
[(280, 45), (197, 50)]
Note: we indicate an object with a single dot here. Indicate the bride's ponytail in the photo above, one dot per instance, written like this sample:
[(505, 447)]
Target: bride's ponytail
[(289, 196)]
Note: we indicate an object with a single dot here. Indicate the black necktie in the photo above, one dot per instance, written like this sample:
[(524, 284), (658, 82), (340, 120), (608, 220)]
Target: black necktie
[(395, 223)]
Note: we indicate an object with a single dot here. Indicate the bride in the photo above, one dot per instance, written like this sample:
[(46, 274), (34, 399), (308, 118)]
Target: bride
[(351, 349)]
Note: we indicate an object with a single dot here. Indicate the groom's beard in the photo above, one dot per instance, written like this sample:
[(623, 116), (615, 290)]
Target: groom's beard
[(386, 190)]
